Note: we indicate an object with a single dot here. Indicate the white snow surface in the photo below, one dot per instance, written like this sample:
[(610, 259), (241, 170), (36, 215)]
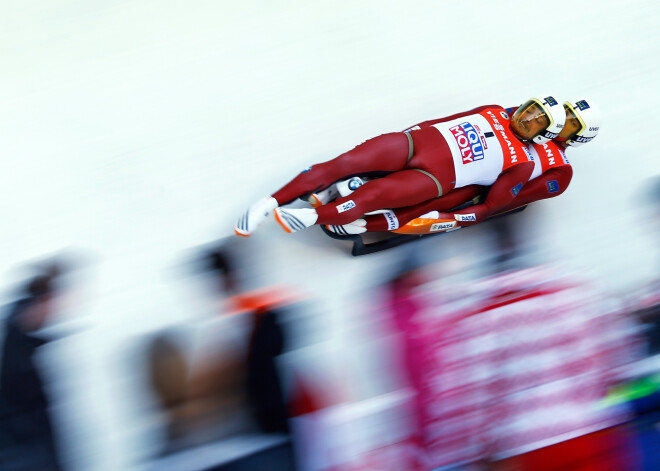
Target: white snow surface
[(136, 130)]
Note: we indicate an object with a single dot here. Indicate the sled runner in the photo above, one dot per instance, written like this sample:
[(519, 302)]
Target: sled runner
[(372, 242)]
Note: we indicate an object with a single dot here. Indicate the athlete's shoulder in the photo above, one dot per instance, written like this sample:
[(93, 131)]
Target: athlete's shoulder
[(494, 110), (495, 113), (551, 154), (562, 151), (488, 107), (491, 109)]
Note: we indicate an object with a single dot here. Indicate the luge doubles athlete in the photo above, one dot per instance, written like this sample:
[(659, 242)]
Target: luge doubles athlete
[(483, 146), (550, 178)]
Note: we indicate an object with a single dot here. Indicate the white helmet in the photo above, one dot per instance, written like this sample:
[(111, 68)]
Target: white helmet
[(538, 120), (582, 123)]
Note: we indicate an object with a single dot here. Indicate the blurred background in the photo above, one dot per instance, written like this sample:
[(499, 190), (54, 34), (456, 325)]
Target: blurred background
[(138, 333)]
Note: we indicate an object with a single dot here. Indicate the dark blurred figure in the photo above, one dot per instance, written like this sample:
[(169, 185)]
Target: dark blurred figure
[(264, 388), (647, 310), (211, 391), (648, 315), (507, 248), (26, 433)]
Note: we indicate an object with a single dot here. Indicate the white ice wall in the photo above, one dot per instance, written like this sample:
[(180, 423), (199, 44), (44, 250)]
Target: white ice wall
[(139, 129)]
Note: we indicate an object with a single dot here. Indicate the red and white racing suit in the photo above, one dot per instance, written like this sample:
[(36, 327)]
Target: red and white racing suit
[(425, 162), (551, 176)]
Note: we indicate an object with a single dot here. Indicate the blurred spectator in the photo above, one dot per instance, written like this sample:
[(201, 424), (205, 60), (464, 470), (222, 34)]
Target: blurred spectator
[(648, 315), (26, 432), (647, 309), (510, 370), (404, 306), (230, 388), (264, 388)]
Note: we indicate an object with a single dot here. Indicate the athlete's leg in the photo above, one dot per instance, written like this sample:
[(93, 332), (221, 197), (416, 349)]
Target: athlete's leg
[(385, 153), (456, 197), (433, 155), (404, 188)]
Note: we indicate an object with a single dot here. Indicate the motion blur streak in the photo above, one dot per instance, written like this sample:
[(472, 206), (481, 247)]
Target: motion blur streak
[(137, 132)]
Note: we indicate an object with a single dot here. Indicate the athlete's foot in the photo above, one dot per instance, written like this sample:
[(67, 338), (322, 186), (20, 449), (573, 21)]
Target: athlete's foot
[(254, 216), (323, 197), (293, 220), (358, 226)]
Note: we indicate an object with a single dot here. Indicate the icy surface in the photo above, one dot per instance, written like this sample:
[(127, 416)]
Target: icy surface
[(137, 130)]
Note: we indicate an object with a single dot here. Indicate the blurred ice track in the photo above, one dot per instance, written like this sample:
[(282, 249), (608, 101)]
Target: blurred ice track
[(137, 130)]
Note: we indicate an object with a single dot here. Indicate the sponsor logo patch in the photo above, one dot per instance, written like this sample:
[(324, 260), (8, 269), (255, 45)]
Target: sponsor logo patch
[(392, 220), (553, 186), (469, 142), (355, 183), (516, 189), (501, 129), (530, 157), (345, 206), (442, 226), (582, 105), (563, 156), (504, 115), (466, 217), (550, 135), (550, 101)]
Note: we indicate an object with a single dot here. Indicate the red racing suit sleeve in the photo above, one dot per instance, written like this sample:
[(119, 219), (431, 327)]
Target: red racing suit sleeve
[(548, 185), (426, 124), (501, 195)]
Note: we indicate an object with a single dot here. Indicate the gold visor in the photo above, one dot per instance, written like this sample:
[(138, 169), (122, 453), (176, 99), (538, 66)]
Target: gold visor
[(573, 125), (529, 120)]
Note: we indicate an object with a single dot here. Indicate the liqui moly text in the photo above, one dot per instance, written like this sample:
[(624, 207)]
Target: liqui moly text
[(468, 141)]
